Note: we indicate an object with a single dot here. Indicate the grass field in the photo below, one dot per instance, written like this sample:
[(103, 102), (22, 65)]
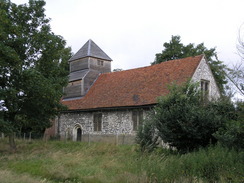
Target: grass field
[(60, 161)]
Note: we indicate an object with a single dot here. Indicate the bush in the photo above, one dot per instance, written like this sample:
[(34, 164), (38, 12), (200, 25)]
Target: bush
[(147, 136), (186, 120), (232, 133)]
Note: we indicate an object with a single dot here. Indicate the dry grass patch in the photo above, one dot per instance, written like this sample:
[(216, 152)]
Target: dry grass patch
[(8, 176)]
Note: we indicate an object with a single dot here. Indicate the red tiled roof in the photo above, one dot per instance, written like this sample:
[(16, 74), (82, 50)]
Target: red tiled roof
[(135, 87)]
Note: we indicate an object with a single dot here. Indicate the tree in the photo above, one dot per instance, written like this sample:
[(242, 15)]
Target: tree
[(236, 77), (117, 70), (176, 50), (240, 45), (236, 73), (33, 69), (185, 122), (231, 134)]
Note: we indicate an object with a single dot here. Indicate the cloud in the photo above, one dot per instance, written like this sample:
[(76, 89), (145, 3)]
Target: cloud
[(131, 32)]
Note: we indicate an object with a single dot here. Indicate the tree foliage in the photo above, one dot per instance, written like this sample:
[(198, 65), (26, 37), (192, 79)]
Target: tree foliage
[(231, 134), (117, 70), (185, 122), (33, 68), (174, 49)]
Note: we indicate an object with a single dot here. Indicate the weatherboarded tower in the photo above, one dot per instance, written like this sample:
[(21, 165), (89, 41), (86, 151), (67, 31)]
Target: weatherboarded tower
[(85, 67)]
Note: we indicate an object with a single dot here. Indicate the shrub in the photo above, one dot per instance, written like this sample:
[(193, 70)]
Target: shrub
[(187, 121), (147, 136), (232, 133)]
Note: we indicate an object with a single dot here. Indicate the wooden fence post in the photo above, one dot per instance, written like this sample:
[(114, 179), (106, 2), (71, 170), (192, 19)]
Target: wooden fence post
[(117, 139), (30, 137), (88, 138)]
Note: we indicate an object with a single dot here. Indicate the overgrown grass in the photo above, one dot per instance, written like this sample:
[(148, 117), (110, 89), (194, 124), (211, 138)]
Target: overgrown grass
[(59, 161)]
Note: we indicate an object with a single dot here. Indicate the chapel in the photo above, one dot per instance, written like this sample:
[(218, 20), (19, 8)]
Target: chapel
[(109, 106)]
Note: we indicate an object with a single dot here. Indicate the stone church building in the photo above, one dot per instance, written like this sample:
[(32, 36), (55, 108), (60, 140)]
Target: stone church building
[(109, 106)]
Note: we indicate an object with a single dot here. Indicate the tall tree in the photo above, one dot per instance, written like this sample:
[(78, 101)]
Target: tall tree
[(176, 50), (33, 67)]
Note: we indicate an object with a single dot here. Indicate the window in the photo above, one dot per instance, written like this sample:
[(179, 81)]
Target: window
[(97, 121), (205, 89), (74, 83), (137, 118), (100, 62)]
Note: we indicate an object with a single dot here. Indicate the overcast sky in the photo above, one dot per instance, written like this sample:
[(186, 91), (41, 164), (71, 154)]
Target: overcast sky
[(131, 32)]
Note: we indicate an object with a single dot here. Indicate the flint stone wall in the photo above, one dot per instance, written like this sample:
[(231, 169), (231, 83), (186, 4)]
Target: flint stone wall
[(117, 126), (203, 72)]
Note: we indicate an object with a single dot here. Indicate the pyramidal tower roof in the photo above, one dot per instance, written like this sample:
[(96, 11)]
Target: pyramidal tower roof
[(90, 49)]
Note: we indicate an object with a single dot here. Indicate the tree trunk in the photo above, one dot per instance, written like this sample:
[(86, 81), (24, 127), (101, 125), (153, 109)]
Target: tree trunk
[(12, 142)]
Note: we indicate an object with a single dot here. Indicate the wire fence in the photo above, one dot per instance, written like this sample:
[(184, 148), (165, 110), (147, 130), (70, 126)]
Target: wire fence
[(24, 136)]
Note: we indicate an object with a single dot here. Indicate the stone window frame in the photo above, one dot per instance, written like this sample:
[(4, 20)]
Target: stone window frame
[(97, 122), (137, 119), (205, 88)]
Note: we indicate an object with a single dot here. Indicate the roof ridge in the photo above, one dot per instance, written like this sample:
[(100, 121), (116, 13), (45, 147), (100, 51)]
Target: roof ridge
[(138, 68), (89, 47)]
